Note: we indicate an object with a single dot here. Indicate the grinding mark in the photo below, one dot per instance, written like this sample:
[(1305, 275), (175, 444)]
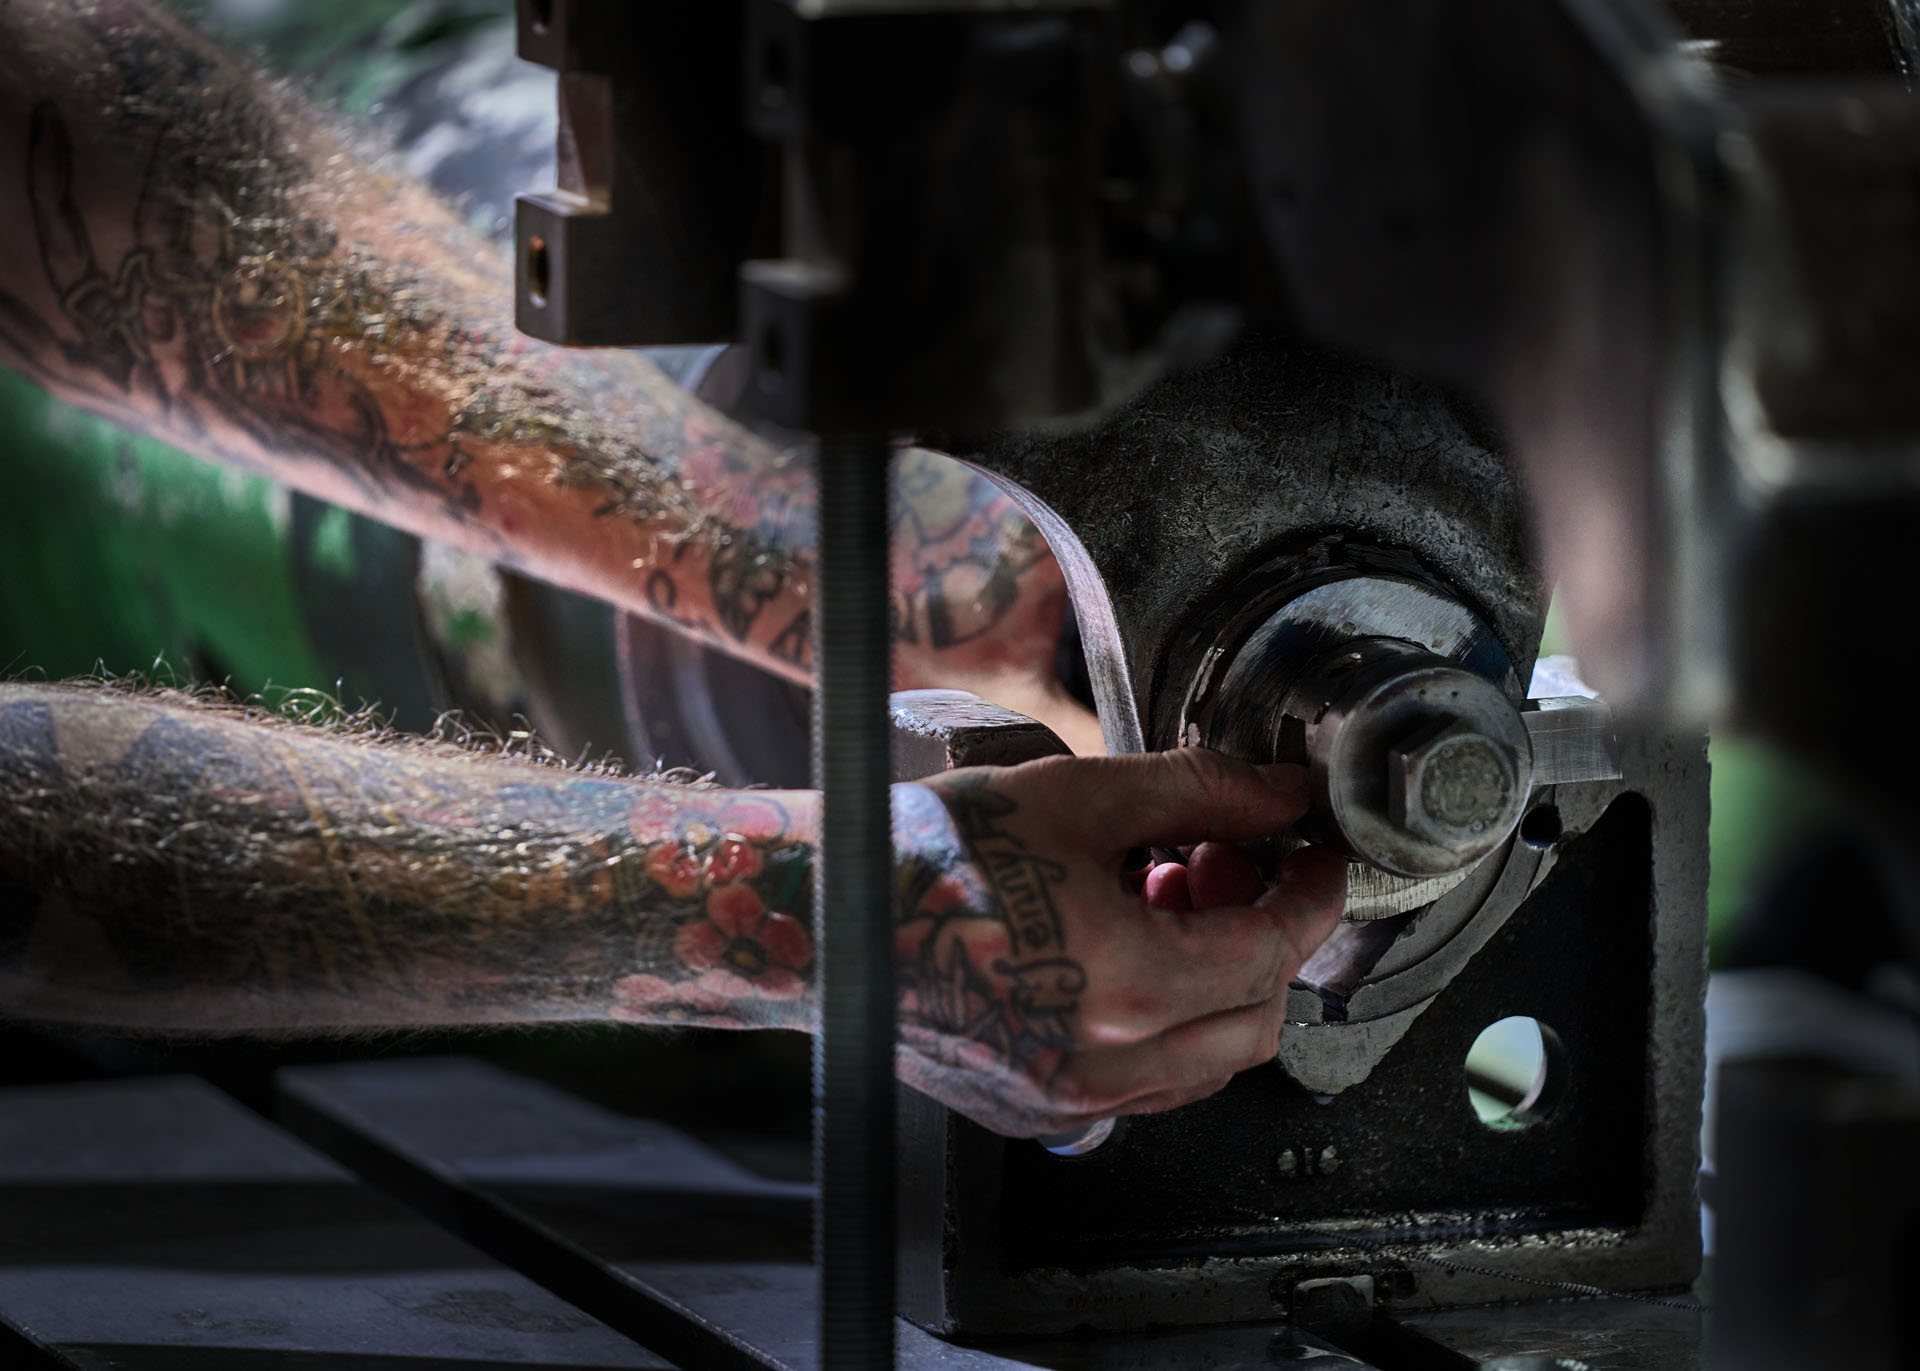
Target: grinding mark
[(1460, 1268)]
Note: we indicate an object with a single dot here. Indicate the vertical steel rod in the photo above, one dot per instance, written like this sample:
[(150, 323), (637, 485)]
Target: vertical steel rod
[(853, 912)]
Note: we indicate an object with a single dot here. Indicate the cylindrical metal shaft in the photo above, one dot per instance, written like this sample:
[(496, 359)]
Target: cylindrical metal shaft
[(853, 912)]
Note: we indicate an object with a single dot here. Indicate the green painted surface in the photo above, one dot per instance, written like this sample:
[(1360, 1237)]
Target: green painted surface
[(1764, 807), (122, 553), (357, 51), (330, 547)]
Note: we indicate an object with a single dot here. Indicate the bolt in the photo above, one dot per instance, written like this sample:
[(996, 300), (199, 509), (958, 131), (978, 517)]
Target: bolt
[(1329, 1161), (1289, 1164), (1455, 788)]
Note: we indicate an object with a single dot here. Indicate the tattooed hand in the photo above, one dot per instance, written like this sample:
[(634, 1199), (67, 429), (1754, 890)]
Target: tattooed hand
[(1041, 989), (175, 865)]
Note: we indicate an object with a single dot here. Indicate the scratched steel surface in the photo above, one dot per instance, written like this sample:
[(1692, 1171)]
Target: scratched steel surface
[(707, 1256), (154, 1225), (691, 1238)]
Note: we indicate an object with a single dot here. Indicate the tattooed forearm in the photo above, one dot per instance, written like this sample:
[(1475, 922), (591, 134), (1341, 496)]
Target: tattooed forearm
[(175, 867), (197, 255), (172, 865)]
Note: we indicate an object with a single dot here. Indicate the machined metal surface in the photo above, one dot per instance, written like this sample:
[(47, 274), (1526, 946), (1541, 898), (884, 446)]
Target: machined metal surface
[(940, 730), (1572, 1335), (1358, 676), (1573, 740), (662, 1235), (673, 1226), (1418, 767)]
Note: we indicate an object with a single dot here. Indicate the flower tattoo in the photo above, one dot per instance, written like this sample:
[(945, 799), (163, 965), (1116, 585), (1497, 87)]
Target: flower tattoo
[(738, 884), (741, 948)]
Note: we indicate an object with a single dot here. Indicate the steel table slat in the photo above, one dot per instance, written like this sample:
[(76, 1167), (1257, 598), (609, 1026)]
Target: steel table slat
[(155, 1225), (497, 1154)]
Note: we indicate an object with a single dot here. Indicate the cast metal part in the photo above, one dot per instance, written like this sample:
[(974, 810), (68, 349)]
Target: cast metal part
[(1356, 676), (1418, 766), (977, 290), (1393, 1175)]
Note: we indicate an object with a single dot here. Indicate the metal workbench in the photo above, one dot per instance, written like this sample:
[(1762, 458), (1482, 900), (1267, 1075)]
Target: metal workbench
[(445, 1214)]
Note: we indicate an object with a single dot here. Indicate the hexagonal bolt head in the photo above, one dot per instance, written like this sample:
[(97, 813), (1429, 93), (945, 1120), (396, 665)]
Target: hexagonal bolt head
[(1454, 787)]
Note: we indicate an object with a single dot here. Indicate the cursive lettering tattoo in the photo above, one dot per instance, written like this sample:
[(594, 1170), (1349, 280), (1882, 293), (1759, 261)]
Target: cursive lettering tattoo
[(987, 984)]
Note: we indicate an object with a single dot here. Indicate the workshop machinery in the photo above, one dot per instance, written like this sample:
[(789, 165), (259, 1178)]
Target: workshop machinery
[(1285, 322), (1320, 338)]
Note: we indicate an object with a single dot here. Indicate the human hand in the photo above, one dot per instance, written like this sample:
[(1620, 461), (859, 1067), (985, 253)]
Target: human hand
[(1042, 989)]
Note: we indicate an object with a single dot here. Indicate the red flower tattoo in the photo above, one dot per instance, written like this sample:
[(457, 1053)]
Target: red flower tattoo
[(741, 949), (733, 859), (675, 867)]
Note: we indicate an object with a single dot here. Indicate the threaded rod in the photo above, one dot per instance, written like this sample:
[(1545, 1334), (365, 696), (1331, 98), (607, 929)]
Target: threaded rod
[(853, 912)]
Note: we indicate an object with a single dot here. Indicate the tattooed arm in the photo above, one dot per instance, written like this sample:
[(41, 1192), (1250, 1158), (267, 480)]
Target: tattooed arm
[(171, 866), (187, 250), (174, 867)]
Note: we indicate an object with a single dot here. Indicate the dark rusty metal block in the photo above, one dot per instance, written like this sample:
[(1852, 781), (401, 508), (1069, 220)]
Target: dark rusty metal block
[(662, 192), (941, 730), (1195, 1216)]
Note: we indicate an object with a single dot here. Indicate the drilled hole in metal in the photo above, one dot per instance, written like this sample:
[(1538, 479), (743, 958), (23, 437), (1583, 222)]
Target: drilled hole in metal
[(1516, 1071)]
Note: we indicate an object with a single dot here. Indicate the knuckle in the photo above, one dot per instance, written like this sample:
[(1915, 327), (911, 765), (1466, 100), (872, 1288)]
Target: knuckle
[(1049, 773)]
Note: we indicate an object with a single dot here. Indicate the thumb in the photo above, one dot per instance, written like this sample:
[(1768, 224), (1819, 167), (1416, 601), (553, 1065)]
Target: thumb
[(1187, 795)]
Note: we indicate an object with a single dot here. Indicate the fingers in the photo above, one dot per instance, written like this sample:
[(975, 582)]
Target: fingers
[(1309, 894), (1221, 874), (1213, 874), (1192, 1059), (1177, 987), (1161, 1101), (1169, 970), (1188, 795), (1166, 887)]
